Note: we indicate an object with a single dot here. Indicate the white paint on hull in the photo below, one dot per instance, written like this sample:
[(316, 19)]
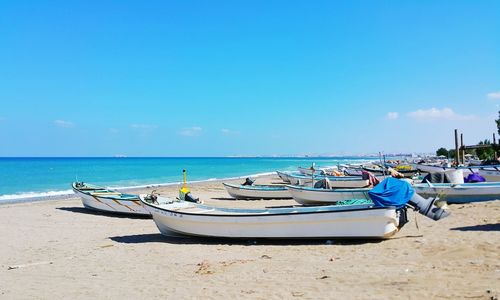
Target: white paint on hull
[(325, 196), (256, 192), (133, 207), (460, 193), (372, 223)]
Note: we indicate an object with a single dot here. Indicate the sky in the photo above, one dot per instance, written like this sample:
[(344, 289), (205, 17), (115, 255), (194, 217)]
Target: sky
[(219, 78)]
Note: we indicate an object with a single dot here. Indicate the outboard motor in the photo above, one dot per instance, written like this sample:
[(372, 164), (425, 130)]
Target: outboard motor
[(428, 207), (248, 181), (399, 193)]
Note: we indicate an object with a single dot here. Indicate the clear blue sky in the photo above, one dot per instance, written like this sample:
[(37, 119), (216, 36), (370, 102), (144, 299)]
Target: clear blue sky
[(215, 78)]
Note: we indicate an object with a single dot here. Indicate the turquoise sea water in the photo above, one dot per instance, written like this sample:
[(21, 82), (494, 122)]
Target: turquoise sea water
[(38, 177)]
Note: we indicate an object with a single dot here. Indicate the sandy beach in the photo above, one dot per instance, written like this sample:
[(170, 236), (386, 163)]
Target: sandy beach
[(57, 249)]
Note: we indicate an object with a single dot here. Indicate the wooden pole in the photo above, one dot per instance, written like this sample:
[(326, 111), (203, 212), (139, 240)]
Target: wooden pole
[(462, 148), (456, 147)]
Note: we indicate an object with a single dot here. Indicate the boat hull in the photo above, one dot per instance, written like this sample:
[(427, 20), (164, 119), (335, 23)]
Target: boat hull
[(319, 170), (131, 207), (349, 223), (257, 192), (326, 196), (283, 176), (460, 193), (335, 182), (490, 174)]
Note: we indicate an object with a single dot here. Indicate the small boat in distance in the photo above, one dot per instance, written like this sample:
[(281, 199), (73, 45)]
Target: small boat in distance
[(101, 199), (257, 191)]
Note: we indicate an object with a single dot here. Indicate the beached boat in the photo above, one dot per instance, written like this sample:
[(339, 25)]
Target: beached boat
[(382, 217), (490, 173), (101, 199), (332, 221), (382, 171), (335, 181), (317, 170), (460, 193), (432, 168), (309, 195), (257, 191), (283, 176)]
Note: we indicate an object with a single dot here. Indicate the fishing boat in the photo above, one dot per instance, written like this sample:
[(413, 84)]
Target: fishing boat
[(407, 173), (335, 181), (283, 176), (309, 195), (435, 168), (101, 199), (380, 218), (332, 221), (316, 169), (460, 193), (490, 173), (257, 191)]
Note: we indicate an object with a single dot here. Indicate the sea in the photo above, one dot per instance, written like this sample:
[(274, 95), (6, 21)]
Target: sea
[(26, 179)]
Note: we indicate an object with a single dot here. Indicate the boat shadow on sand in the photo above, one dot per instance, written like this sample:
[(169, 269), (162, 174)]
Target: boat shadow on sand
[(83, 210), (482, 227), (158, 238)]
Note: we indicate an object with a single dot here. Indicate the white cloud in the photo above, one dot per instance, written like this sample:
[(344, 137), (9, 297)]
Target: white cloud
[(226, 131), (190, 131), (64, 124), (439, 114), (494, 95), (143, 126), (392, 115)]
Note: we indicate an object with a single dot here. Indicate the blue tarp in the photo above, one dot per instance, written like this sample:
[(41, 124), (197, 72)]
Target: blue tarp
[(474, 177), (391, 192)]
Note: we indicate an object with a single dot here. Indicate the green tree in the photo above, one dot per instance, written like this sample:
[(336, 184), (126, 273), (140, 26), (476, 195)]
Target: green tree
[(485, 153), (451, 153), (498, 122), (442, 151)]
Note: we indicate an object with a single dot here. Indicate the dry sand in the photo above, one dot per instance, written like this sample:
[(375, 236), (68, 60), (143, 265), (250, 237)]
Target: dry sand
[(58, 249)]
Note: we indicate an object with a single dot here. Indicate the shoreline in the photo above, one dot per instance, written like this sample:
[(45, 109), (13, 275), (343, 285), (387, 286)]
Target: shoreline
[(64, 195)]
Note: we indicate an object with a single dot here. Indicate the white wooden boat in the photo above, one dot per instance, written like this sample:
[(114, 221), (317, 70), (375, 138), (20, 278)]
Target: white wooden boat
[(490, 173), (309, 195), (317, 170), (460, 193), (332, 221), (445, 169), (101, 199), (335, 181), (257, 191), (383, 171), (283, 176)]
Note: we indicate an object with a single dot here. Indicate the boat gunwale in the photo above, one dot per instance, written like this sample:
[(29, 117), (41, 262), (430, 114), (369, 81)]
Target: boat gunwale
[(334, 190), (89, 193), (361, 207)]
